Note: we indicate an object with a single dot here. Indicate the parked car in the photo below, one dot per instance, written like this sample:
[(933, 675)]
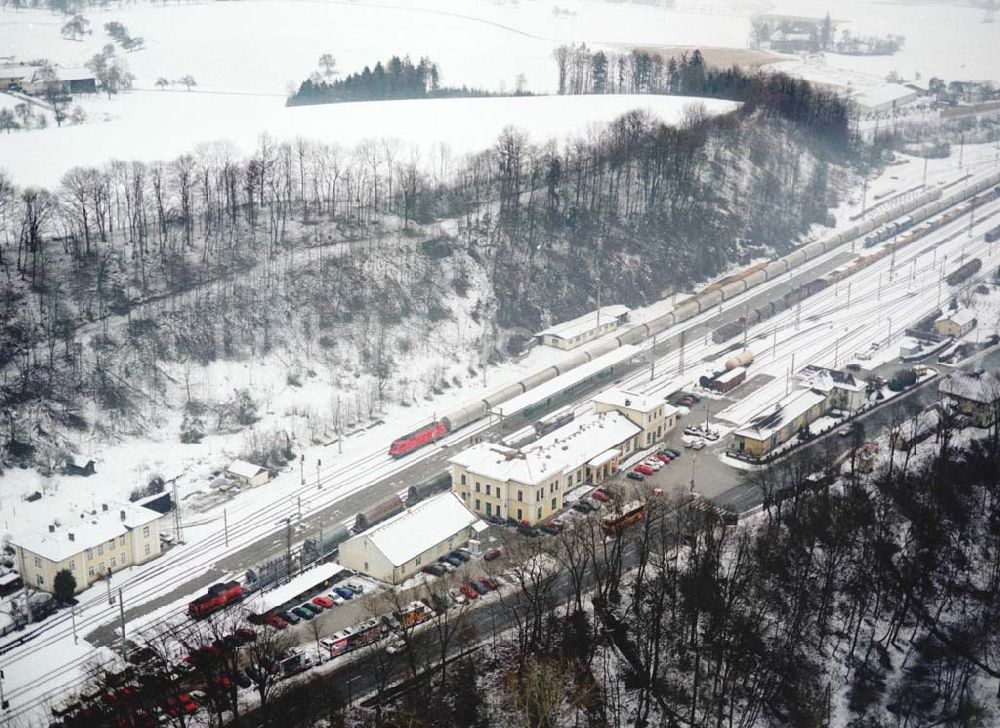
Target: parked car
[(644, 469), (457, 596), (336, 598), (468, 591), (480, 588), (245, 635), (448, 568), (395, 645), (314, 608), (525, 530), (549, 529), (434, 570), (241, 679), (275, 621), (439, 602), (492, 554), (663, 458), (356, 587), (347, 588), (635, 476), (697, 444), (600, 495), (669, 451), (460, 556), (653, 464), (289, 617), (343, 592), (463, 550), (323, 601), (449, 559), (582, 506), (490, 582), (303, 613)]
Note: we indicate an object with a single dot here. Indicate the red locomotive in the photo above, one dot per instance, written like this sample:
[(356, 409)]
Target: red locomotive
[(217, 597), (418, 438)]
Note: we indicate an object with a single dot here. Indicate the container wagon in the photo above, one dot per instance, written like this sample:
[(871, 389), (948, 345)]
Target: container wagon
[(966, 271), (378, 513), (555, 420)]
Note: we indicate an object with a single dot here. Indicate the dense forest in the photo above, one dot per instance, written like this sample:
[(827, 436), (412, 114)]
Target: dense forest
[(397, 79)]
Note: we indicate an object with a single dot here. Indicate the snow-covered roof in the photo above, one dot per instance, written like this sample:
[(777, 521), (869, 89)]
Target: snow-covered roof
[(605, 457), (885, 94), (88, 528), (632, 400), (266, 601), (17, 71), (562, 450), (585, 323), (960, 318), (824, 380), (406, 536), (981, 386), (773, 419), (244, 469)]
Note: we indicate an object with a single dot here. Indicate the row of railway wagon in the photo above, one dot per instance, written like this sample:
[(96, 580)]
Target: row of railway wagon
[(905, 236), (914, 211)]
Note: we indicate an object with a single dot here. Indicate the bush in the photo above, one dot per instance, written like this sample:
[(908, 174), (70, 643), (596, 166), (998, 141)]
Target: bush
[(902, 380), (64, 586)]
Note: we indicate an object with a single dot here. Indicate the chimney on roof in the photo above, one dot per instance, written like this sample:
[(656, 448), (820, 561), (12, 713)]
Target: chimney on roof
[(122, 514), (52, 528), (628, 402), (71, 536), (104, 506)]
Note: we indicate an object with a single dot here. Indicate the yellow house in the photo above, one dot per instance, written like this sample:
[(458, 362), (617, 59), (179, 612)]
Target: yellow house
[(652, 414), (529, 484), (88, 544), (778, 424)]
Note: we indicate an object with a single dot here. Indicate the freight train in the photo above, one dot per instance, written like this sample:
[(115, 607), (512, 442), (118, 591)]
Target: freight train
[(964, 272), (216, 597), (920, 208)]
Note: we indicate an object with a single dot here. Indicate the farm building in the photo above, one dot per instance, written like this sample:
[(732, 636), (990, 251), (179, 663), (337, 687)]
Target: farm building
[(248, 473), (68, 81), (15, 74), (529, 484), (977, 395), (652, 414), (778, 424), (956, 324), (400, 547), (571, 334), (886, 97), (89, 544)]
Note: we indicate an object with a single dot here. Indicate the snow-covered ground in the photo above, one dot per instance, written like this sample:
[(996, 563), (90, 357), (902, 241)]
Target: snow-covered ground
[(161, 125)]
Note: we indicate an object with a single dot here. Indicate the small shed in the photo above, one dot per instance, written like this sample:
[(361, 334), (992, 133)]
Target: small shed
[(248, 473), (730, 379)]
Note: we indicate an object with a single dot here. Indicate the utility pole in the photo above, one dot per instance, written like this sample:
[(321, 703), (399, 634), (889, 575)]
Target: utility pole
[(972, 215), (864, 195), (318, 464), (121, 616), (111, 598), (652, 360), (889, 337), (680, 358), (299, 501), (836, 351), (746, 324), (798, 313), (72, 615), (177, 515), (225, 526), (694, 459), (24, 583), (848, 296), (925, 172), (288, 545), (302, 468), (774, 346), (3, 701)]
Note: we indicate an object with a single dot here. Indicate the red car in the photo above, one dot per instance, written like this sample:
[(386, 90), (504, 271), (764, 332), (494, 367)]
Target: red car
[(275, 621), (490, 582), (492, 554), (644, 469), (323, 601), (468, 591), (663, 458), (600, 495)]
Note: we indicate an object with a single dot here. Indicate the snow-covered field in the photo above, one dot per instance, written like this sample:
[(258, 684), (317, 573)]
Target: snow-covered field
[(161, 125), (245, 56)]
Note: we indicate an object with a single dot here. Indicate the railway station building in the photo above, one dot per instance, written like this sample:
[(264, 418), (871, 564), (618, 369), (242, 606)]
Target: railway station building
[(529, 484), (400, 547), (574, 333)]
